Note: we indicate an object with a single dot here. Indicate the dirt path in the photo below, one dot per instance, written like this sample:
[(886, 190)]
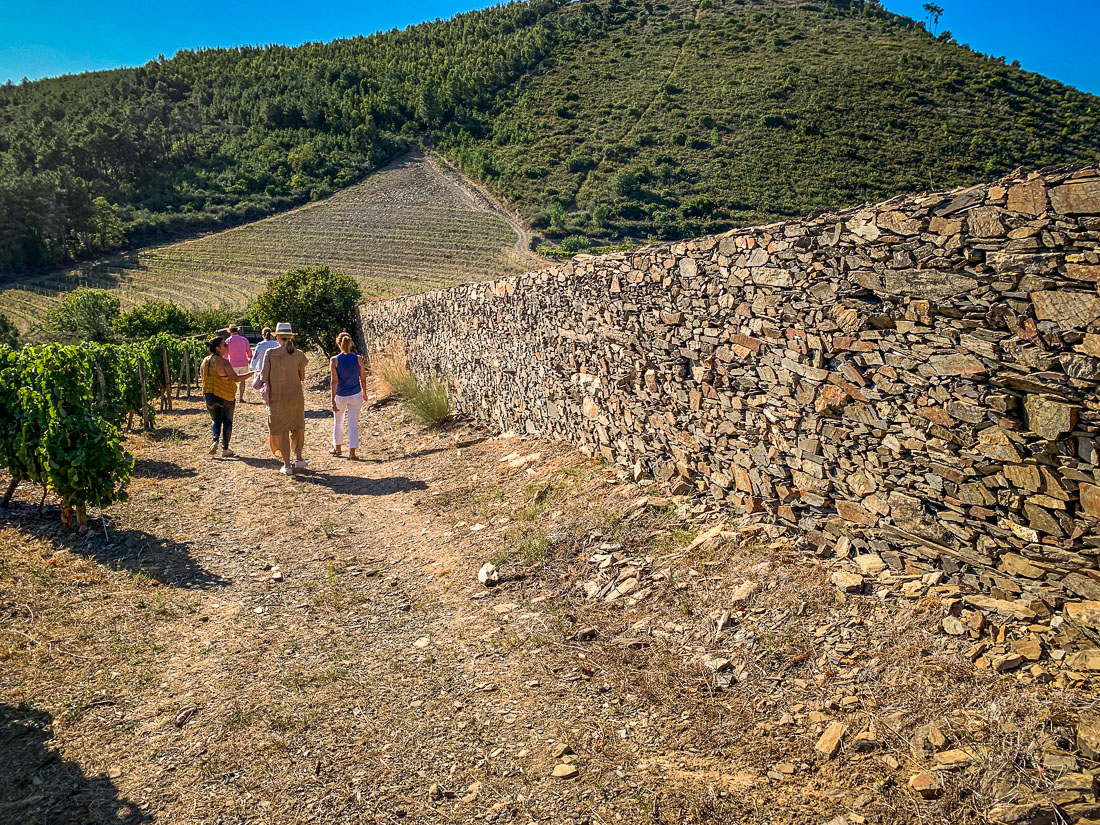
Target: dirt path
[(480, 198), (250, 648)]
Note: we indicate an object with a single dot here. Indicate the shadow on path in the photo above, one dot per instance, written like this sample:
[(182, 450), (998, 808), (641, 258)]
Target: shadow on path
[(167, 560), (164, 559), (405, 456), (361, 485), (152, 468), (159, 434), (38, 787), (344, 485), (162, 415)]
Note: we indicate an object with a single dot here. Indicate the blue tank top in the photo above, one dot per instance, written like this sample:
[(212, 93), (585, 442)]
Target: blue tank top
[(347, 371)]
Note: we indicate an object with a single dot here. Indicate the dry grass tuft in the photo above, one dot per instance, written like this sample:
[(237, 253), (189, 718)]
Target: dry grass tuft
[(391, 368), (429, 402)]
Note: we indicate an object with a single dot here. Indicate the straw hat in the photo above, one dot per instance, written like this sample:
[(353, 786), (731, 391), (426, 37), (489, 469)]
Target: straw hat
[(284, 329)]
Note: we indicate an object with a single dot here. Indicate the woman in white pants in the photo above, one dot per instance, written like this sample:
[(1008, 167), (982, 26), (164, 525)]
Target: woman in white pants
[(349, 391)]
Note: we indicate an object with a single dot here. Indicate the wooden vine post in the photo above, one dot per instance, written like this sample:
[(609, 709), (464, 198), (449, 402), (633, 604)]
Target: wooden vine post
[(187, 370), (8, 493), (179, 376), (166, 399), (144, 398)]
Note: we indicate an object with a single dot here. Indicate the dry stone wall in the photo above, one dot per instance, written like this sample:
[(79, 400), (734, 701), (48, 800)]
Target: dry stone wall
[(917, 378)]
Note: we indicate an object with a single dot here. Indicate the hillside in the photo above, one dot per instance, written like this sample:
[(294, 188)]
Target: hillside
[(409, 227), (217, 137), (608, 118), (679, 118)]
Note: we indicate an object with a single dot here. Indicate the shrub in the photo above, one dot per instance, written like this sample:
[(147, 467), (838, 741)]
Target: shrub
[(601, 213), (580, 163), (697, 207), (147, 319), (558, 218), (618, 151), (625, 183), (85, 315), (208, 320), (539, 220), (576, 243), (318, 303)]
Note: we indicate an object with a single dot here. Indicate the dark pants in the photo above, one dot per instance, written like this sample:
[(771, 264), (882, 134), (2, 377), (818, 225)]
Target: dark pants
[(221, 417)]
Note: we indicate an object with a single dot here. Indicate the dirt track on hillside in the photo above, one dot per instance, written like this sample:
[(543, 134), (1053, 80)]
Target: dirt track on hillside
[(481, 198), (248, 648)]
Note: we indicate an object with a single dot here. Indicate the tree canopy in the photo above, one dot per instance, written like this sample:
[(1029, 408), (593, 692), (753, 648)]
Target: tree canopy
[(317, 303), (85, 315)]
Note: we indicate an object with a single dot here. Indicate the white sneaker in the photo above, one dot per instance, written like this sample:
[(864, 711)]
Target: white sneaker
[(286, 471), (301, 464), (227, 453), (213, 449)]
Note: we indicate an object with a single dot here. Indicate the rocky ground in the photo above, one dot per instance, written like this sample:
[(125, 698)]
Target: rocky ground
[(466, 627)]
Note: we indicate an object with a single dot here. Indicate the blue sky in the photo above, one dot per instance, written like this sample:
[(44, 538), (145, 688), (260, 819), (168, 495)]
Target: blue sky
[(51, 37)]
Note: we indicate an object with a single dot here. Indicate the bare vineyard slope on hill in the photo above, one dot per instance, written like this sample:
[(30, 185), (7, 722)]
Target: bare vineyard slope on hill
[(406, 228)]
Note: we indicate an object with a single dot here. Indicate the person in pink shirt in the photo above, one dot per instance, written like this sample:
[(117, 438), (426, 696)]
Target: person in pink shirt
[(240, 353)]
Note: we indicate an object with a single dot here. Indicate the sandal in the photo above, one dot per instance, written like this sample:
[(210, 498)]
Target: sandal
[(335, 451)]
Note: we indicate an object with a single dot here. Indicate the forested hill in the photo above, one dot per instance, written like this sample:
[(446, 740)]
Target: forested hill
[(675, 118), (602, 118), (95, 161)]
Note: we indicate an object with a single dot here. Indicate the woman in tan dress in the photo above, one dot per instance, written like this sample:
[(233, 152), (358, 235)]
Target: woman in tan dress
[(284, 370)]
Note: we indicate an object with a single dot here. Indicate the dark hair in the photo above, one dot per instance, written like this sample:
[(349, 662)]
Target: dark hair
[(266, 333), (214, 343), (234, 329)]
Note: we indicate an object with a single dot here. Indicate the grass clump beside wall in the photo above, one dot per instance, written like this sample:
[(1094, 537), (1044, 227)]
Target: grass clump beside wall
[(428, 402), (391, 369)]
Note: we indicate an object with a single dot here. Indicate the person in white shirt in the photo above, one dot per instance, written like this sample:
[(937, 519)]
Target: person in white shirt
[(266, 345)]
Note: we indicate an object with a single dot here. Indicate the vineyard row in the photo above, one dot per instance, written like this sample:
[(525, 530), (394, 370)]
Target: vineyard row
[(62, 408)]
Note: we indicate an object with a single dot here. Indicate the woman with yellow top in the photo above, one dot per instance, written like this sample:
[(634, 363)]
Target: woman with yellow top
[(219, 386)]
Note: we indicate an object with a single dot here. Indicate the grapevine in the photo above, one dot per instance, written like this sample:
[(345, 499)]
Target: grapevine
[(62, 407)]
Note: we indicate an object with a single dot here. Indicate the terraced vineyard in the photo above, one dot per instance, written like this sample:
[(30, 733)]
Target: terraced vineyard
[(409, 227)]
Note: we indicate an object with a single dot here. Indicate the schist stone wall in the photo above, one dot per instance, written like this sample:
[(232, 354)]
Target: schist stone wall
[(917, 378)]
